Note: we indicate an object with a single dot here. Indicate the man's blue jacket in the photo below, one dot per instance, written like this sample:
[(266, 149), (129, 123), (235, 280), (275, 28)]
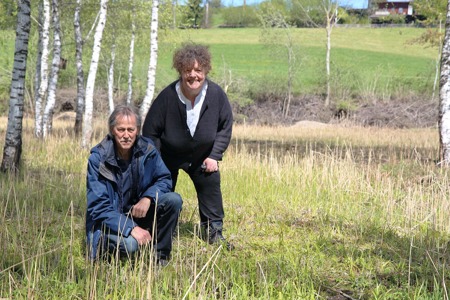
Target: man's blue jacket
[(105, 208)]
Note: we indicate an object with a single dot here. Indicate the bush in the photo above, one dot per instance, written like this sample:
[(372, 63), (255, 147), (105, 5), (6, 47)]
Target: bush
[(239, 17), (8, 14), (390, 19)]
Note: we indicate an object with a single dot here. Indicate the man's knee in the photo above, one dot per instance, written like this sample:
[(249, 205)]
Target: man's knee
[(130, 244), (173, 201)]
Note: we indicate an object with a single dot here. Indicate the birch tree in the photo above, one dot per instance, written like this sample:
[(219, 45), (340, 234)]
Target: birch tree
[(151, 75), (13, 139), (330, 8), (314, 13), (40, 96), (111, 78), (51, 98), (444, 94), (277, 32), (90, 84), (131, 57), (79, 67), (37, 75)]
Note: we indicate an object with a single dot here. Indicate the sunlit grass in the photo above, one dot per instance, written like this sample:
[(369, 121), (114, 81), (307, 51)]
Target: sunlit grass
[(352, 135), (309, 223), (365, 62)]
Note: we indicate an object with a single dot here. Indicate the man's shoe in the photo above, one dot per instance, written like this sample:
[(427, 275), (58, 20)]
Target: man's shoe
[(216, 237), (162, 262)]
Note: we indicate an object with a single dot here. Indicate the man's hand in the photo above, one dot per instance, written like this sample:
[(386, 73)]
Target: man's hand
[(211, 165), (140, 209), (141, 235)]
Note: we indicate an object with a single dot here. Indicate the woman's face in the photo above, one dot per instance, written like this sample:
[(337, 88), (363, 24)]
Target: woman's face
[(192, 80)]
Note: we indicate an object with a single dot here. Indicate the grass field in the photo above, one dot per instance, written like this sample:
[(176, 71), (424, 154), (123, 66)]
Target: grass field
[(379, 62), (314, 213), (385, 59)]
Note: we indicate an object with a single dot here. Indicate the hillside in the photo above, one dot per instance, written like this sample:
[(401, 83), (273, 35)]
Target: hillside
[(380, 76), (409, 112), (399, 113)]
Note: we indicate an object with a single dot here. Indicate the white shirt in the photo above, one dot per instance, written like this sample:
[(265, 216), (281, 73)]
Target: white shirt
[(192, 113)]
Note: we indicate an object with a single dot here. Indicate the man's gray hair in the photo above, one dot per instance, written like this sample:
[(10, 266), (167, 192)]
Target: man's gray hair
[(124, 110)]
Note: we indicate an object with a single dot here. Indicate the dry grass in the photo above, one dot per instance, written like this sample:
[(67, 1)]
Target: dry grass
[(309, 224), (351, 135)]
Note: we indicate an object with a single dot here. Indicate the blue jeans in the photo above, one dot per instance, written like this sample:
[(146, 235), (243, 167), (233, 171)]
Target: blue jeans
[(166, 211)]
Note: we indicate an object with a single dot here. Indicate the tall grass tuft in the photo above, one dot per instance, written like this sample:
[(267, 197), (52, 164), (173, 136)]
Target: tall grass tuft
[(314, 213)]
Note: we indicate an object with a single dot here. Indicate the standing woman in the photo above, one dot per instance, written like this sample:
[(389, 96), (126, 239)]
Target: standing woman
[(191, 122)]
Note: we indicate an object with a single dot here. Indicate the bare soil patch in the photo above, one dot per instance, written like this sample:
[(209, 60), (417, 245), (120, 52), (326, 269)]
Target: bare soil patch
[(411, 112), (307, 111)]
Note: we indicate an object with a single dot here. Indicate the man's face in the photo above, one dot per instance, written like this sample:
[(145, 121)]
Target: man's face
[(193, 79), (125, 132)]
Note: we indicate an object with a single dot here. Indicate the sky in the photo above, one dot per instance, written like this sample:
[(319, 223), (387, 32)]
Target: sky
[(348, 3)]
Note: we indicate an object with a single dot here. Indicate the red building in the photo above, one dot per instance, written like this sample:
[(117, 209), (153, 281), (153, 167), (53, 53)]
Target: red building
[(392, 7)]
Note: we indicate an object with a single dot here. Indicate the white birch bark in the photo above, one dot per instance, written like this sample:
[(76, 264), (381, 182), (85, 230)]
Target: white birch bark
[(444, 95), (40, 96), (37, 75), (13, 139), (47, 119), (174, 14), (90, 84), (207, 13), (111, 78), (330, 9), (79, 65), (291, 62), (131, 60), (151, 75)]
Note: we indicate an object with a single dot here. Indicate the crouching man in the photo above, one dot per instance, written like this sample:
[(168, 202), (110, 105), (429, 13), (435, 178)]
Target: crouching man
[(129, 194)]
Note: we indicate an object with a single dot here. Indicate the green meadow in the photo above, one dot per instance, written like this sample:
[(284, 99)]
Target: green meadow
[(314, 213), (366, 63), (383, 63), (325, 212)]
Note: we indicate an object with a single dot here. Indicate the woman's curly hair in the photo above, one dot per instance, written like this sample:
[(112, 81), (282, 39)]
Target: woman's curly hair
[(184, 58)]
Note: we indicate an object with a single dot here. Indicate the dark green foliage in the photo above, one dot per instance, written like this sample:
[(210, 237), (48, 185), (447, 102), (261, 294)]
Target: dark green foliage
[(194, 13), (8, 12), (240, 16)]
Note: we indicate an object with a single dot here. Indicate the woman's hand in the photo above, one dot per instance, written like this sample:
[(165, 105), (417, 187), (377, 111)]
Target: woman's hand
[(211, 165)]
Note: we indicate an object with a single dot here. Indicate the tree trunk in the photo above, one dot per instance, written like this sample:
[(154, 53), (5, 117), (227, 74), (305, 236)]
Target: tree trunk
[(37, 75), (291, 62), (330, 9), (151, 75), (174, 14), (40, 96), (327, 99), (207, 14), (89, 100), (79, 64), (444, 95), (131, 60), (51, 98), (111, 79), (13, 138)]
